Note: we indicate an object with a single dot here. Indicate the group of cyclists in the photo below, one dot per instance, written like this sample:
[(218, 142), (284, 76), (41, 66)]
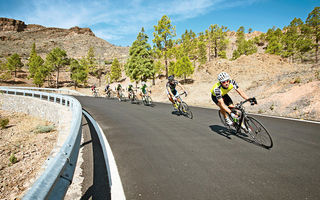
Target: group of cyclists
[(219, 93), (130, 89)]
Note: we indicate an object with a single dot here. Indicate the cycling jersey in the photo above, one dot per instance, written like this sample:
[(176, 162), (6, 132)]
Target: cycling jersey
[(143, 89), (172, 86), (119, 87), (218, 91), (130, 88)]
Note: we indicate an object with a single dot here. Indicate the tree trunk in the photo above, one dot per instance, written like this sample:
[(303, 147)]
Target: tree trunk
[(317, 48), (166, 63), (153, 80), (215, 50), (209, 52), (57, 81)]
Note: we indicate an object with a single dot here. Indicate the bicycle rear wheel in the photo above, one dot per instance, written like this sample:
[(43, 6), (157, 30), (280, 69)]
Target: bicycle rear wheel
[(258, 132), (148, 100), (186, 110)]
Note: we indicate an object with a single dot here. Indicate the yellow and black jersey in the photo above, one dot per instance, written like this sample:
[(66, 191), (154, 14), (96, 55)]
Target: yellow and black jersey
[(219, 91)]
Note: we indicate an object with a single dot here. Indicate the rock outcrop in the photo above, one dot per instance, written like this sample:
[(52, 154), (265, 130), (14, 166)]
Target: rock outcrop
[(17, 37)]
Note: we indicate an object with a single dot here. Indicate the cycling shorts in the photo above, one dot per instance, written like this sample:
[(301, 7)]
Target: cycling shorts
[(226, 98), (174, 92)]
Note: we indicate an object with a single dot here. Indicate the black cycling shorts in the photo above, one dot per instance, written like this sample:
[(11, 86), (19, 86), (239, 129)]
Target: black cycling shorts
[(226, 98)]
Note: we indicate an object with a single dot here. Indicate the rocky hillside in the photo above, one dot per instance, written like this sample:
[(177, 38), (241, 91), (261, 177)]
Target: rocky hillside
[(18, 37)]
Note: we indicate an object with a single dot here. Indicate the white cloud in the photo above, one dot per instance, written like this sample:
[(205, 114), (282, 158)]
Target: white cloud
[(114, 19)]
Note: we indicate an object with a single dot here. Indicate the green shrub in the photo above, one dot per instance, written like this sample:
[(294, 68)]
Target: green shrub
[(272, 107), (4, 122), (13, 159), (297, 80), (44, 129)]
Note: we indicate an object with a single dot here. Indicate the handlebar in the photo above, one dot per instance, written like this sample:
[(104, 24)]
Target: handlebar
[(184, 93), (252, 100)]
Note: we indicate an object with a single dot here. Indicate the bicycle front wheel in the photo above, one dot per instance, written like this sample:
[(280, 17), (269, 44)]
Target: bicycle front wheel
[(258, 132), (186, 110)]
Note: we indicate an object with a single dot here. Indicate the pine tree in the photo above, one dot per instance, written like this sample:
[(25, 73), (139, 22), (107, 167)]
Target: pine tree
[(244, 47), (14, 63), (313, 21), (164, 32), (183, 67), (139, 66), (79, 73), (55, 60), (92, 62), (41, 73), (4, 72), (217, 40), (274, 41), (201, 50), (115, 70)]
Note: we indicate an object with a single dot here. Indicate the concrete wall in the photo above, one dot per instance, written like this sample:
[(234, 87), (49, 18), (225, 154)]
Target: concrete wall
[(60, 115)]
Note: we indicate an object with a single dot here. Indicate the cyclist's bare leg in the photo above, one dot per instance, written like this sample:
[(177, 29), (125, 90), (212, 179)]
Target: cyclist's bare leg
[(223, 110), (171, 99)]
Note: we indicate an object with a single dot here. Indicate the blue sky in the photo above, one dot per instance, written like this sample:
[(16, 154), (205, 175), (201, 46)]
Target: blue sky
[(119, 21)]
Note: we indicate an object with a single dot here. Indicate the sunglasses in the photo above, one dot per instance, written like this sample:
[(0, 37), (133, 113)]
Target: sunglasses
[(225, 81)]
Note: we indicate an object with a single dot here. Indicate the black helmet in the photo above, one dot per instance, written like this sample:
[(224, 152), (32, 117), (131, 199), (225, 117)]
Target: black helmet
[(171, 78)]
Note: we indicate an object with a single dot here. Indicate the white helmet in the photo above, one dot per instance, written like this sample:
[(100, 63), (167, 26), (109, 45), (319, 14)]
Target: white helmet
[(223, 76), (143, 83)]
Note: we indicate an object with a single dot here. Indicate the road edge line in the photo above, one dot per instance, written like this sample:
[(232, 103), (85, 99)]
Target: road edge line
[(117, 191)]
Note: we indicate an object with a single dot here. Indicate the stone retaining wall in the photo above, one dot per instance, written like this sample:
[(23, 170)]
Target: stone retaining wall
[(60, 115)]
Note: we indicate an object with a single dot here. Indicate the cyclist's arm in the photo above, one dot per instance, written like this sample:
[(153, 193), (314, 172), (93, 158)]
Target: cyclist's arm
[(169, 91), (182, 88), (242, 94), (224, 106)]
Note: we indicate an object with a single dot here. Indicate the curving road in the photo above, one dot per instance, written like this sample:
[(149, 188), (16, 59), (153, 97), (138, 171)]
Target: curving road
[(164, 156)]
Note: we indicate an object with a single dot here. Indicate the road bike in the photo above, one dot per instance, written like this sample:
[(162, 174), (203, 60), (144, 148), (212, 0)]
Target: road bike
[(95, 93), (108, 93), (182, 106), (121, 96), (146, 99), (132, 97), (248, 125)]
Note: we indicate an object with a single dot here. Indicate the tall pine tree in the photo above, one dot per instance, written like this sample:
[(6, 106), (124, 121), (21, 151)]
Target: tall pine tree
[(139, 65), (164, 32), (313, 21)]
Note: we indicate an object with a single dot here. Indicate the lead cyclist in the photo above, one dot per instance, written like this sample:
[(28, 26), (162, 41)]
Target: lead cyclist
[(219, 95)]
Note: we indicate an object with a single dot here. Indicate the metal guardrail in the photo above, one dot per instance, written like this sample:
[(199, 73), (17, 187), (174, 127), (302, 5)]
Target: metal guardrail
[(60, 91), (55, 180)]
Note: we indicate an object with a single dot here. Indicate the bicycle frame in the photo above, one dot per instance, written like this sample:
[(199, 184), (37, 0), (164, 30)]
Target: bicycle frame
[(243, 112)]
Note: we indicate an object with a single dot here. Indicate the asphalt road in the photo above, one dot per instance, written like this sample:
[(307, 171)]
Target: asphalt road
[(164, 156)]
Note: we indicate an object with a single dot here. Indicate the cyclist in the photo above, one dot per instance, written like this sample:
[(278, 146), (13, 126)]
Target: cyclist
[(119, 88), (107, 89), (143, 89), (93, 89), (130, 90), (172, 93), (219, 95)]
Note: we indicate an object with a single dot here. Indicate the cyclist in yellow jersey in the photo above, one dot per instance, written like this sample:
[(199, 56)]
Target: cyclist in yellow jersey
[(219, 95)]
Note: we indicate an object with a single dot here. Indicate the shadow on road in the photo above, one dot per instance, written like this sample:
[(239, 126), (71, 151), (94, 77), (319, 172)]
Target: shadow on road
[(223, 131), (100, 188)]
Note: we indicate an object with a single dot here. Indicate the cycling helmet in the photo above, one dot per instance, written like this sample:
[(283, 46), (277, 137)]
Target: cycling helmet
[(223, 76), (143, 83), (171, 78)]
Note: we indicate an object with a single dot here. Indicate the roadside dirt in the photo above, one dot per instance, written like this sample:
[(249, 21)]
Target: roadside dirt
[(22, 139)]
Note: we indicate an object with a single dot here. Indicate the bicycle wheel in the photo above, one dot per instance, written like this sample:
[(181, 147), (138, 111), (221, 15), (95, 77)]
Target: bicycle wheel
[(258, 132), (148, 100), (186, 110)]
